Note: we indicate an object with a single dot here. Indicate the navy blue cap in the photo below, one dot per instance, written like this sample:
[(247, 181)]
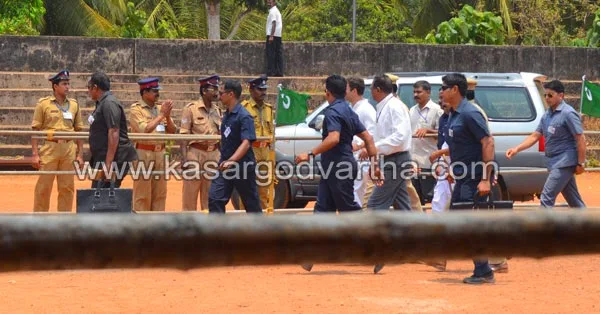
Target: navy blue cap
[(212, 80), (60, 76), (151, 82), (260, 82)]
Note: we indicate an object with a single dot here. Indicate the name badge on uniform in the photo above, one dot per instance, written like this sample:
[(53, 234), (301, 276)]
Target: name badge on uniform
[(91, 119), (450, 133), (67, 115), (160, 128), (227, 132), (551, 129)]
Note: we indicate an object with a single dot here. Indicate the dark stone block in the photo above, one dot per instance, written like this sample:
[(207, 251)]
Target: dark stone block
[(569, 63), (536, 60)]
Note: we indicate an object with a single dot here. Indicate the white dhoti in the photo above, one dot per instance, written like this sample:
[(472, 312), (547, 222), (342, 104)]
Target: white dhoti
[(360, 184)]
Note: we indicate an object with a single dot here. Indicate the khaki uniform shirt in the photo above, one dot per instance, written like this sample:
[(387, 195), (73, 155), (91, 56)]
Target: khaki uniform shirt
[(197, 119), (263, 117), (139, 117), (49, 115)]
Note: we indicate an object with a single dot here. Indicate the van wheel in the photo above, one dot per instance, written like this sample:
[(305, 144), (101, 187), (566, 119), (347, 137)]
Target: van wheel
[(500, 191), (282, 194)]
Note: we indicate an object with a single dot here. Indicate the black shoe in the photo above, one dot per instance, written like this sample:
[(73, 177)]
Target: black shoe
[(378, 268), (500, 267), (307, 267), (478, 280)]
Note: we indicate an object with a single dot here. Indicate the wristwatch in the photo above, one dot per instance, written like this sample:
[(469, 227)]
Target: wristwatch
[(582, 164), (311, 154)]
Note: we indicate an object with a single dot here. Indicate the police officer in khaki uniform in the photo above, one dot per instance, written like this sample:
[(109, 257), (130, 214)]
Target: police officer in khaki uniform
[(200, 117), (263, 115), (148, 116), (61, 114)]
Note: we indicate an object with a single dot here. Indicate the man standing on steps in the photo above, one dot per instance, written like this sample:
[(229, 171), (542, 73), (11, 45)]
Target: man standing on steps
[(274, 45), (149, 116), (200, 117), (61, 114)]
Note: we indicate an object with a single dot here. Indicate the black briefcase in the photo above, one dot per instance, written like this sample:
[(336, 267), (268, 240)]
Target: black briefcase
[(489, 204), (104, 200)]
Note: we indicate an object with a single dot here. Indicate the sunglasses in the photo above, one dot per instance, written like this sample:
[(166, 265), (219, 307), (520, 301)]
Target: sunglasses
[(548, 95), (445, 87), (224, 92)]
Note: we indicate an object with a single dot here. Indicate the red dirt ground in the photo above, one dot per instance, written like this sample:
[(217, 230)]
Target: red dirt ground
[(556, 285)]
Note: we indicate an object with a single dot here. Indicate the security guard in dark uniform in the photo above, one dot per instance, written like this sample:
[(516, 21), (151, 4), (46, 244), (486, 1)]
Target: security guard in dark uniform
[(237, 165), (470, 142), (340, 125)]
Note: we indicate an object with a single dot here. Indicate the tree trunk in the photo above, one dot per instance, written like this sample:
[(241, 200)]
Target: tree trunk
[(213, 9)]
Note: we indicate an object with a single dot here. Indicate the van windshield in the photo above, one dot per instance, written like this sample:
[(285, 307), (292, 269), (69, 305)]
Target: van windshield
[(499, 103)]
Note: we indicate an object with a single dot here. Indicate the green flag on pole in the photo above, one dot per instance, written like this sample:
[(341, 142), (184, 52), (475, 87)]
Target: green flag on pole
[(590, 99), (291, 107)]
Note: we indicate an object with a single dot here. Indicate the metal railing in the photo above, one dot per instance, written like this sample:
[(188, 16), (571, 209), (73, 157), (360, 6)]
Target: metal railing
[(186, 241)]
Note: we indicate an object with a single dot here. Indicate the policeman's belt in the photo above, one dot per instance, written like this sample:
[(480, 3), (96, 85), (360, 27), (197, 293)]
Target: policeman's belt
[(59, 141), (152, 148), (203, 146), (261, 144)]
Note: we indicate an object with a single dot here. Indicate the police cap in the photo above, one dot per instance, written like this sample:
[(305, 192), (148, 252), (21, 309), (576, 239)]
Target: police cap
[(149, 83), (212, 80), (60, 76), (260, 82)]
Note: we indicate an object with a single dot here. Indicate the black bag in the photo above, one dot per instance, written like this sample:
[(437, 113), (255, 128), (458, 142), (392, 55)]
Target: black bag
[(490, 204), (102, 200)]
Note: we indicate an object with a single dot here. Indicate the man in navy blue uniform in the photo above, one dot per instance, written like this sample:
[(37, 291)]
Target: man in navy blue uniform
[(237, 165), (472, 153), (565, 147), (341, 123)]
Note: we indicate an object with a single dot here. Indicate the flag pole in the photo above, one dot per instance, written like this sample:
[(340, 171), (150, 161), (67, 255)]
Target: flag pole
[(581, 97), (272, 159)]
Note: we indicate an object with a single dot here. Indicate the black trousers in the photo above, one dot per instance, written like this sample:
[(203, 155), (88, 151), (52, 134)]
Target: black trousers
[(274, 56)]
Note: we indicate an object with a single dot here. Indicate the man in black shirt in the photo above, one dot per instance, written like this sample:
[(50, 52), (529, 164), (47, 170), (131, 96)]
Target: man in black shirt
[(108, 132)]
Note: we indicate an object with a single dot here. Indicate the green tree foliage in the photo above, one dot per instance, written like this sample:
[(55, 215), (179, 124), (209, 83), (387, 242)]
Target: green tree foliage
[(470, 27), (377, 21), (21, 17), (593, 34)]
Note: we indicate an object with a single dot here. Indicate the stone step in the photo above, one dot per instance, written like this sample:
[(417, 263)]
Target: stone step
[(169, 82), (29, 97)]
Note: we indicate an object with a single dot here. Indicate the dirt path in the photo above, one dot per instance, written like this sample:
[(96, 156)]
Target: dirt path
[(557, 285)]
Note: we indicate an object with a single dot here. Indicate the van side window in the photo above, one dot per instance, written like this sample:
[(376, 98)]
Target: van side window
[(505, 103)]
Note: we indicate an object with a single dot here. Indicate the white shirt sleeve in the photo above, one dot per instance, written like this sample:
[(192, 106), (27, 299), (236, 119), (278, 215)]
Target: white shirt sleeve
[(398, 129)]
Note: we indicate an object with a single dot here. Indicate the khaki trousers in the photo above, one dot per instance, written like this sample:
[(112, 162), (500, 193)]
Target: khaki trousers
[(261, 154), (150, 194), (192, 189), (55, 156)]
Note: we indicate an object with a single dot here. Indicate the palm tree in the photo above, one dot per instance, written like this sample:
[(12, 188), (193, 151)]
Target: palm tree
[(83, 17)]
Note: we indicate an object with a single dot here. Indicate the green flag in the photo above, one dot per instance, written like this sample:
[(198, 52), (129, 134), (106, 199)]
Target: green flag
[(291, 107), (590, 99)]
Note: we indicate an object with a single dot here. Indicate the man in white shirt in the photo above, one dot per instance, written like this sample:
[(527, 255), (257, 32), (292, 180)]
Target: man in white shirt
[(392, 140), (424, 118), (274, 46), (366, 114)]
